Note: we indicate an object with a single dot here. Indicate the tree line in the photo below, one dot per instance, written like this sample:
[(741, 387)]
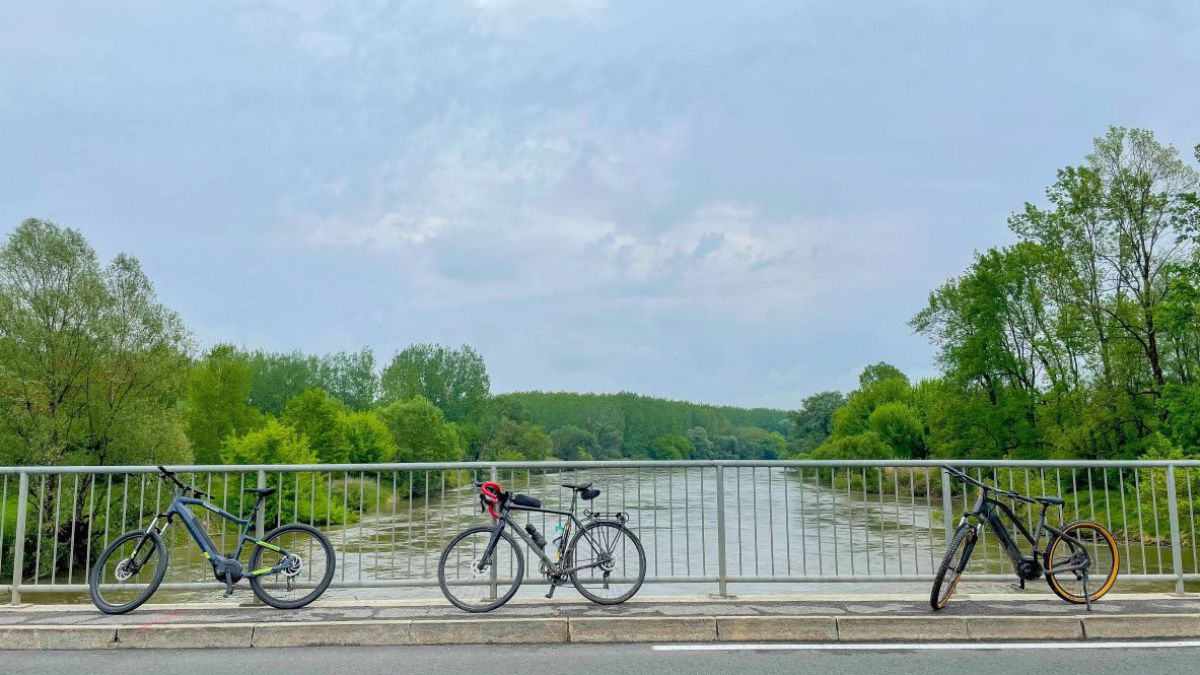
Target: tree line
[(1079, 340), (95, 370)]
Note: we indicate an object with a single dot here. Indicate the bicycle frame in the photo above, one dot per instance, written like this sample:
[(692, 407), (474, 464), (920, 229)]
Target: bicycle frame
[(179, 508), (989, 510), (556, 565)]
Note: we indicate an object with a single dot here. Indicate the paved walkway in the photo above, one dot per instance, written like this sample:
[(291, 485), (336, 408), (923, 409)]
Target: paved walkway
[(333, 611)]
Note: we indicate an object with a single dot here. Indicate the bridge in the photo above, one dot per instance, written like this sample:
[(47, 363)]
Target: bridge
[(776, 551)]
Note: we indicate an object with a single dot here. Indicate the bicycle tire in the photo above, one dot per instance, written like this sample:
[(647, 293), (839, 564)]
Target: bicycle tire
[(518, 558), (263, 593), (1110, 578), (94, 580), (575, 575), (965, 539)]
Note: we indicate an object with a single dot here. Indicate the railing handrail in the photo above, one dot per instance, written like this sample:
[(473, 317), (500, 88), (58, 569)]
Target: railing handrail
[(615, 464)]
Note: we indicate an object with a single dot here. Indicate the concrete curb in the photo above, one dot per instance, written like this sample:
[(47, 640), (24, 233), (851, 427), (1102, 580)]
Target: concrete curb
[(703, 628)]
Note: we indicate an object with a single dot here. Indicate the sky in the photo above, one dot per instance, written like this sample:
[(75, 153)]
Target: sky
[(728, 202)]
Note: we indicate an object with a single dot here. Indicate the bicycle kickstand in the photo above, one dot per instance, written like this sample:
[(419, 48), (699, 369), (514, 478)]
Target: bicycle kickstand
[(228, 585), (1087, 596)]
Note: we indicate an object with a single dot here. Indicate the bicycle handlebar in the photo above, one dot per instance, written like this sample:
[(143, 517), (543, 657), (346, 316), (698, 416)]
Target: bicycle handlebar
[(962, 477), (181, 485)]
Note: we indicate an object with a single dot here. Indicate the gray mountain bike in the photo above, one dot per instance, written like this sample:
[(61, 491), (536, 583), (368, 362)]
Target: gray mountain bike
[(289, 568), (482, 567)]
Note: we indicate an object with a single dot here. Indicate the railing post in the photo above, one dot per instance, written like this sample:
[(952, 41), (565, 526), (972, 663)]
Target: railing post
[(262, 516), (722, 572), (947, 507), (19, 541), (1173, 516), (494, 586)]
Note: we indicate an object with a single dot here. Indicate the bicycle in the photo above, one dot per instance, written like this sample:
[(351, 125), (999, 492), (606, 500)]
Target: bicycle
[(1065, 561), (603, 559), (140, 557)]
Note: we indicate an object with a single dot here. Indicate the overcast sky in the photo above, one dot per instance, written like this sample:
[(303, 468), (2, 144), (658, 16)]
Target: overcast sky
[(731, 202)]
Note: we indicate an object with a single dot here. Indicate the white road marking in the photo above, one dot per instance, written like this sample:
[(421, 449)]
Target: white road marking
[(923, 646)]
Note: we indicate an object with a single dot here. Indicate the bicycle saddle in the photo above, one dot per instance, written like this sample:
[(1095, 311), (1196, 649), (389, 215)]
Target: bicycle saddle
[(262, 492), (578, 487), (526, 500), (1052, 501)]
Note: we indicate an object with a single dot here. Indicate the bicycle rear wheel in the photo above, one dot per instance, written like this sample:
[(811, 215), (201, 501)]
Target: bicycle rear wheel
[(309, 565), (613, 562), (1092, 544), (950, 572), (475, 582), (128, 572)]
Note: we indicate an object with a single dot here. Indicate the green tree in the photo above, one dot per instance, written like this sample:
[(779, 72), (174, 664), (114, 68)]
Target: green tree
[(867, 445), (813, 422), (900, 426), (454, 380), (756, 443), (572, 443), (277, 378), (512, 441), (349, 377), (368, 437), (91, 364), (702, 445), (421, 432), (320, 417), (218, 402), (273, 443), (671, 447)]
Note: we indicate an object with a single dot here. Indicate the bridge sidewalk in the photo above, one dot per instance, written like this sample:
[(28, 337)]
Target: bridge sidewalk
[(804, 618)]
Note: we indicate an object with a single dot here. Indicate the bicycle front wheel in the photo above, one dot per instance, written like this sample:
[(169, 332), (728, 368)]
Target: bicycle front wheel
[(1089, 545), (307, 562), (128, 572), (953, 564), (474, 581), (607, 561)]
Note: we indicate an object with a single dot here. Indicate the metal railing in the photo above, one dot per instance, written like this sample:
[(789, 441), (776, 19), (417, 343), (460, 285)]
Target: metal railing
[(710, 522)]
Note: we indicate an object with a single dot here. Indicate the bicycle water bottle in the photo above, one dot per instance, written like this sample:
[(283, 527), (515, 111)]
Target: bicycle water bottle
[(535, 535)]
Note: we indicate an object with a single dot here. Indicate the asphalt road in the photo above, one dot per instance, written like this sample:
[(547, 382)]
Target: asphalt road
[(608, 659)]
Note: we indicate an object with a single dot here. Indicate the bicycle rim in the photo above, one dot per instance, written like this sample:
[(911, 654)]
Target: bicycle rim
[(120, 582), (474, 583), (307, 562), (613, 560), (950, 575), (1103, 561)]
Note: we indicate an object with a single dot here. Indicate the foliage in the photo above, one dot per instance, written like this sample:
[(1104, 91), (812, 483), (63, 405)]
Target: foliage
[(572, 443), (91, 364), (454, 380), (421, 432), (218, 402), (1065, 343), (369, 440), (273, 443), (320, 418), (671, 447)]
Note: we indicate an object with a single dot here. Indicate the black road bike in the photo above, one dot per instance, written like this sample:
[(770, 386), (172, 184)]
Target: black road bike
[(1080, 564), (482, 567), (290, 567)]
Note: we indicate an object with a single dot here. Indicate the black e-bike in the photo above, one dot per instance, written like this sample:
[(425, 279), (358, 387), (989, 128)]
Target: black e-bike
[(289, 567), (1080, 563)]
